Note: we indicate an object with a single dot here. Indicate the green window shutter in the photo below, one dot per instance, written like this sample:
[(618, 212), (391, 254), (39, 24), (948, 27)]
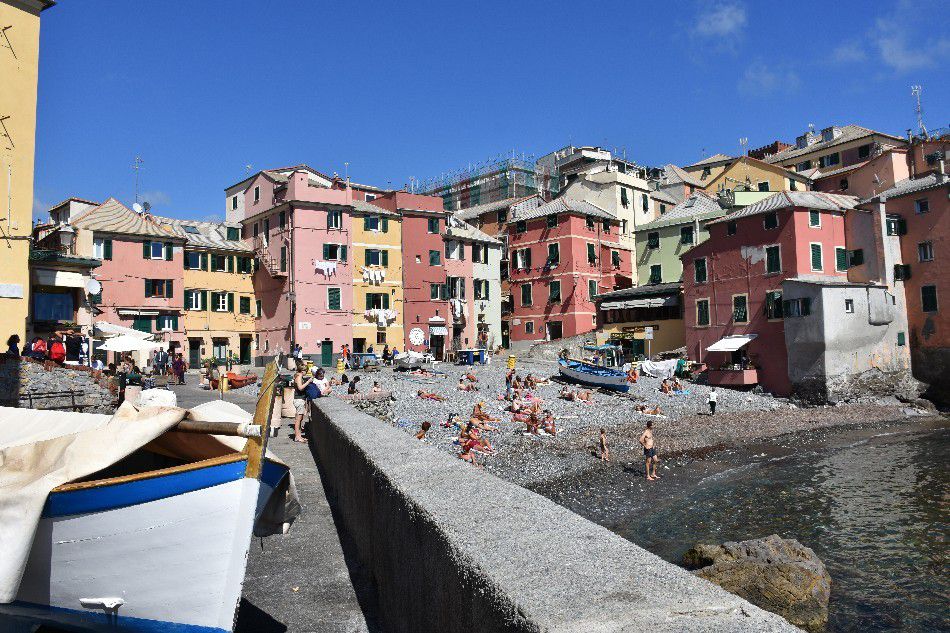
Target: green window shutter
[(816, 257), (230, 302), (175, 322), (204, 300), (107, 249), (369, 301), (148, 287), (841, 259), (146, 250), (485, 293), (169, 289), (385, 258), (385, 223), (366, 223), (385, 301), (326, 252), (366, 257), (343, 253), (333, 298), (230, 263), (169, 253), (773, 262), (203, 261)]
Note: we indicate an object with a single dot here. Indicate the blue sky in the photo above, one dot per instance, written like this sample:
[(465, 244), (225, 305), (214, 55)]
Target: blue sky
[(408, 89)]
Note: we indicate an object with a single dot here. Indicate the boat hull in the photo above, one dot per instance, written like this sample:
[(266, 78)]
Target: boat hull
[(594, 376), (172, 549)]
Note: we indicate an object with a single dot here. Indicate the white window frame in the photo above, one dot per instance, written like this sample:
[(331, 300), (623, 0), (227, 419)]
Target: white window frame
[(164, 318), (334, 220), (99, 248), (222, 302), (369, 223), (368, 257), (370, 196), (708, 313), (257, 193), (929, 247), (814, 226), (520, 259), (161, 250), (811, 260), (339, 252), (758, 185), (849, 306), (194, 300)]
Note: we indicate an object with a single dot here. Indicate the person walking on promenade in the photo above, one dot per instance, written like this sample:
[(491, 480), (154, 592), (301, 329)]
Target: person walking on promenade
[(302, 380), (649, 451), (711, 399), (179, 367)]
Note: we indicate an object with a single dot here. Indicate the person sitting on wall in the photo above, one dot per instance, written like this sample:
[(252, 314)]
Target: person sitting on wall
[(426, 395)]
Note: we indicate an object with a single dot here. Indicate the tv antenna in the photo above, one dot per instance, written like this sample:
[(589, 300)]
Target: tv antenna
[(916, 90), (248, 168), (137, 166)]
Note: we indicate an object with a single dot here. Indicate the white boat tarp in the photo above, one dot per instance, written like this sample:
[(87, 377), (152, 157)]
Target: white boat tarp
[(731, 343), (125, 343), (659, 369), (111, 329), (40, 450)]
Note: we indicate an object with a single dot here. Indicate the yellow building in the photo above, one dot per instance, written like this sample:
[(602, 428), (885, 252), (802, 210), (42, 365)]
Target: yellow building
[(752, 174), (377, 278), (220, 306), (19, 71), (644, 320)]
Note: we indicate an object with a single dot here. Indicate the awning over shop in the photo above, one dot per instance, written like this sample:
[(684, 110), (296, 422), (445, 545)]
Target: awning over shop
[(647, 302), (125, 312), (731, 343), (59, 278), (436, 320), (438, 330)]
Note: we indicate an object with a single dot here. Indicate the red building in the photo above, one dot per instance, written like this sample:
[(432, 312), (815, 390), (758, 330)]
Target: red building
[(561, 255), (733, 283)]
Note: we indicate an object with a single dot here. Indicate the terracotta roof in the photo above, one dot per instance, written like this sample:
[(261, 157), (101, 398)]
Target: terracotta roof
[(697, 206), (114, 217), (790, 199), (212, 235)]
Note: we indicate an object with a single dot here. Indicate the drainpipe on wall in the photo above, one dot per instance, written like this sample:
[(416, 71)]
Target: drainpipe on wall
[(292, 295)]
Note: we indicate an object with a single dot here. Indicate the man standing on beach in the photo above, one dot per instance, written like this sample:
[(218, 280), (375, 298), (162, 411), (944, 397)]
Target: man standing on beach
[(649, 451), (711, 399)]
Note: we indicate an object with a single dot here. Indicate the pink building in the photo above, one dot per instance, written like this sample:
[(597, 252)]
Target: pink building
[(141, 272), (733, 283), (300, 230), (561, 255), (427, 313)]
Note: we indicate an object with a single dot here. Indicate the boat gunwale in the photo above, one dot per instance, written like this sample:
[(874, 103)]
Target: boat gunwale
[(150, 474)]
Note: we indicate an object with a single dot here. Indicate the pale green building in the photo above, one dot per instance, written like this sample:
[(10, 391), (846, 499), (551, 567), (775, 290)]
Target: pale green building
[(660, 243)]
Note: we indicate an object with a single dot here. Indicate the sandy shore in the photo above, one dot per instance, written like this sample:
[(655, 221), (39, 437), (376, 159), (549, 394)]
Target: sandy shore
[(530, 460)]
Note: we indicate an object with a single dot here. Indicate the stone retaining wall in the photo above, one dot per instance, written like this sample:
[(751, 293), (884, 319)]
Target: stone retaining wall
[(452, 548), (19, 376)]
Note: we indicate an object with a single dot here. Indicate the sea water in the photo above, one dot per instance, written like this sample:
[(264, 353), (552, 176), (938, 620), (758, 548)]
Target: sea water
[(872, 503)]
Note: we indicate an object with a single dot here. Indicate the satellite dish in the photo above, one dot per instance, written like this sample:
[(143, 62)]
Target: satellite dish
[(416, 336), (137, 207), (93, 287)]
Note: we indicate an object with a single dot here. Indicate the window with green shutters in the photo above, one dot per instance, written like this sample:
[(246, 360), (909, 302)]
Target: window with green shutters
[(142, 324), (928, 298), (258, 308), (435, 258), (624, 201), (901, 339), (814, 219), (702, 312), (376, 257), (653, 240), (773, 304), (841, 259), (245, 305), (740, 309), (732, 227), (107, 249), (591, 254), (645, 200), (895, 225), (699, 270), (656, 273), (281, 219), (521, 226), (230, 302), (615, 259), (283, 259), (552, 220), (377, 301), (686, 235), (773, 259), (159, 288), (433, 225), (554, 254), (192, 260), (333, 299), (244, 265), (816, 263), (526, 298), (234, 234), (554, 292)]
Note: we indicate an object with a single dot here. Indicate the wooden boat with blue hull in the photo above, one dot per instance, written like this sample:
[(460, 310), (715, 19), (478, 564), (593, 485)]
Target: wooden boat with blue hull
[(602, 370), (163, 549)]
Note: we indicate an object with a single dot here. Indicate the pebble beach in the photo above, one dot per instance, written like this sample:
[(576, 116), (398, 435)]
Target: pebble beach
[(684, 428)]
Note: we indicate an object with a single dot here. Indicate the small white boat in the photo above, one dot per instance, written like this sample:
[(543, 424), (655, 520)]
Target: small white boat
[(408, 360), (143, 548), (602, 371)]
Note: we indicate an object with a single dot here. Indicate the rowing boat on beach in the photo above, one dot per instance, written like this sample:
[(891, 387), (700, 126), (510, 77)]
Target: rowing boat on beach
[(601, 371), (140, 521)]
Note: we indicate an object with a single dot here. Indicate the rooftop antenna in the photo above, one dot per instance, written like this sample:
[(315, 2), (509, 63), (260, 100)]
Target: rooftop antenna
[(346, 171), (248, 168), (137, 165), (916, 90)]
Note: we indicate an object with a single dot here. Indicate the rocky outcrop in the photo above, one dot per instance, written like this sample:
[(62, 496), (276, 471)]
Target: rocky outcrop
[(779, 575), (23, 376)]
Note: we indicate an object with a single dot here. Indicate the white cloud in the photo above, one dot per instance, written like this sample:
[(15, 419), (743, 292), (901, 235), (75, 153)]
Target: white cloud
[(40, 207), (761, 79), (722, 19), (849, 53), (155, 197), (906, 40)]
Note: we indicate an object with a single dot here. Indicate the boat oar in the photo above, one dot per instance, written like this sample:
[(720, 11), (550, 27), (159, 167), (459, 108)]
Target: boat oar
[(237, 429)]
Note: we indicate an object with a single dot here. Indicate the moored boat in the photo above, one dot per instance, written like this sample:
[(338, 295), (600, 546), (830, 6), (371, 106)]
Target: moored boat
[(157, 540), (408, 360), (601, 370)]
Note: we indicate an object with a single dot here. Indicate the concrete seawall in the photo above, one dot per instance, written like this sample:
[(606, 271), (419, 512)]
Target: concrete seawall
[(451, 548)]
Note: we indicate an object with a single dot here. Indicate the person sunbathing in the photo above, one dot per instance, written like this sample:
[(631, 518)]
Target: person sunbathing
[(530, 382), (547, 423), (583, 395), (421, 435), (422, 372), (566, 394), (665, 388), (677, 385), (481, 444), (466, 386), (471, 377), (642, 408), (531, 424), (633, 375), (484, 426), (479, 413), (428, 395), (467, 455)]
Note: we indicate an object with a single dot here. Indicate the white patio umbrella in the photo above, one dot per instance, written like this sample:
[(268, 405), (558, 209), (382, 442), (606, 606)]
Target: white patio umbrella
[(129, 344)]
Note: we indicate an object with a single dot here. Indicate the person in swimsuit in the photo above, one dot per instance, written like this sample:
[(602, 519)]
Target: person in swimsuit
[(604, 448), (421, 435), (649, 451)]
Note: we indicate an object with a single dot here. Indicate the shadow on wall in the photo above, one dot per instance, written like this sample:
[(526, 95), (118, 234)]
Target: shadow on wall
[(10, 380)]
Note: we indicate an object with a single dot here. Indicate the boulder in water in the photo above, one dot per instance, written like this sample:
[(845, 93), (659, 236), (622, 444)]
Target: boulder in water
[(779, 575)]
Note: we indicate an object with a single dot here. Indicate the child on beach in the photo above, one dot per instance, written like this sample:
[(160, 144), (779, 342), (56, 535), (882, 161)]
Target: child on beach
[(604, 449), (421, 435)]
